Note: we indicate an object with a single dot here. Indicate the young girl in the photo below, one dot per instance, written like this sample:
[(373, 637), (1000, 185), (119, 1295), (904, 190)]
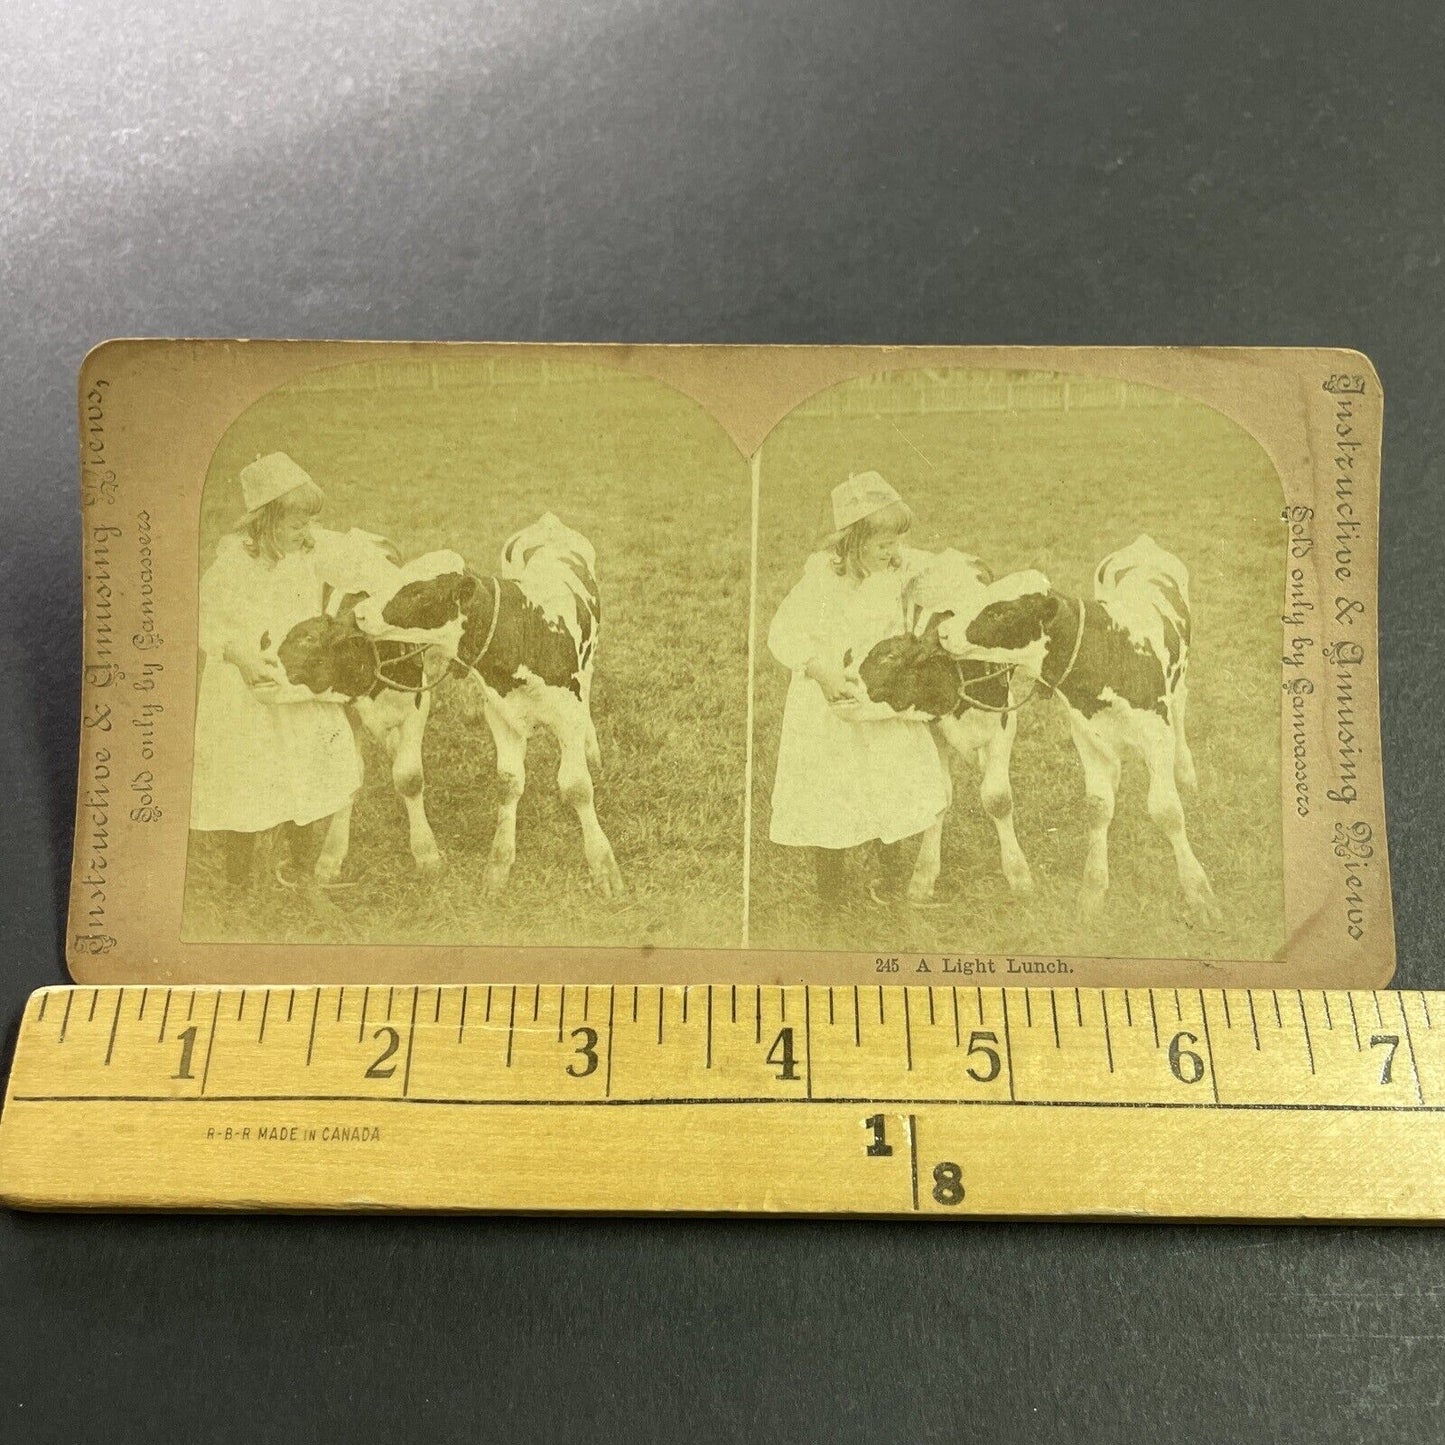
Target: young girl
[(265, 754), (843, 783)]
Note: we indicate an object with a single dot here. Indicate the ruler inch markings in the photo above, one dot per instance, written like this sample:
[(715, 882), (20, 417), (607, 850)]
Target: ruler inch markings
[(807, 1037), (1007, 1039), (913, 1154), (114, 1024), (1208, 1043), (311, 1038), (410, 1043), (1305, 1024), (1409, 1044), (611, 1038), (1108, 1041), (211, 1042)]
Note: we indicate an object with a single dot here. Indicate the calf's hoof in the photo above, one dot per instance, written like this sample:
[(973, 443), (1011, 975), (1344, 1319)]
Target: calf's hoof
[(430, 865), (326, 874), (607, 877), (1091, 902), (1202, 907), (920, 893), (1021, 882)]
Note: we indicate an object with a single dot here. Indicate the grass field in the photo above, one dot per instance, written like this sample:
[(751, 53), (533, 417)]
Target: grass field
[(664, 497), (1058, 490)]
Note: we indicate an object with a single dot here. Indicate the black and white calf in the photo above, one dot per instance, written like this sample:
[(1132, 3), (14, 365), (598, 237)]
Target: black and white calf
[(969, 703), (525, 638), (1120, 664)]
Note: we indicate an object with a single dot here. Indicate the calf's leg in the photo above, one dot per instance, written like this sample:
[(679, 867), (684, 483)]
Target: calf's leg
[(1184, 773), (408, 780), (397, 720), (574, 781), (511, 781), (927, 864), (992, 757), (1167, 813), (996, 794), (1100, 762)]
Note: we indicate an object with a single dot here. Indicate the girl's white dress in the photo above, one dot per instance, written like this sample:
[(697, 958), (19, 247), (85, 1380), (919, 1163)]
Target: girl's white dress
[(839, 782), (265, 755)]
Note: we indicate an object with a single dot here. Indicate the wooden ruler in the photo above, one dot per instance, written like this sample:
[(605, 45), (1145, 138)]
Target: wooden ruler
[(940, 1102)]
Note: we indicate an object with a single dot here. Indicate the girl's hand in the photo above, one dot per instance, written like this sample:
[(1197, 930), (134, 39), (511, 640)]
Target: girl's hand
[(255, 668), (836, 684)]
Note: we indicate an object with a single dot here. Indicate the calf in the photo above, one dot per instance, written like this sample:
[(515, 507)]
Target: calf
[(1120, 665), (970, 704), (526, 637)]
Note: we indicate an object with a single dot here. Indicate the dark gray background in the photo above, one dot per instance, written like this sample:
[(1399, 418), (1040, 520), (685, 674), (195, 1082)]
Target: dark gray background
[(1078, 171)]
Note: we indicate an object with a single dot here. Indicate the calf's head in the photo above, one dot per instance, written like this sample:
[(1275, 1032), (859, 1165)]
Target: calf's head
[(911, 674), (1009, 622), (328, 654), (428, 604)]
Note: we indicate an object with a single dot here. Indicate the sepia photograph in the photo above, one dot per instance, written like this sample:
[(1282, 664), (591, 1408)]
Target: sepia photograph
[(473, 662), (1018, 678), (740, 663)]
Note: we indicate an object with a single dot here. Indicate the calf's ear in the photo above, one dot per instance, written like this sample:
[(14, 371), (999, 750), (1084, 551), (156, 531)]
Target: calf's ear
[(930, 639)]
